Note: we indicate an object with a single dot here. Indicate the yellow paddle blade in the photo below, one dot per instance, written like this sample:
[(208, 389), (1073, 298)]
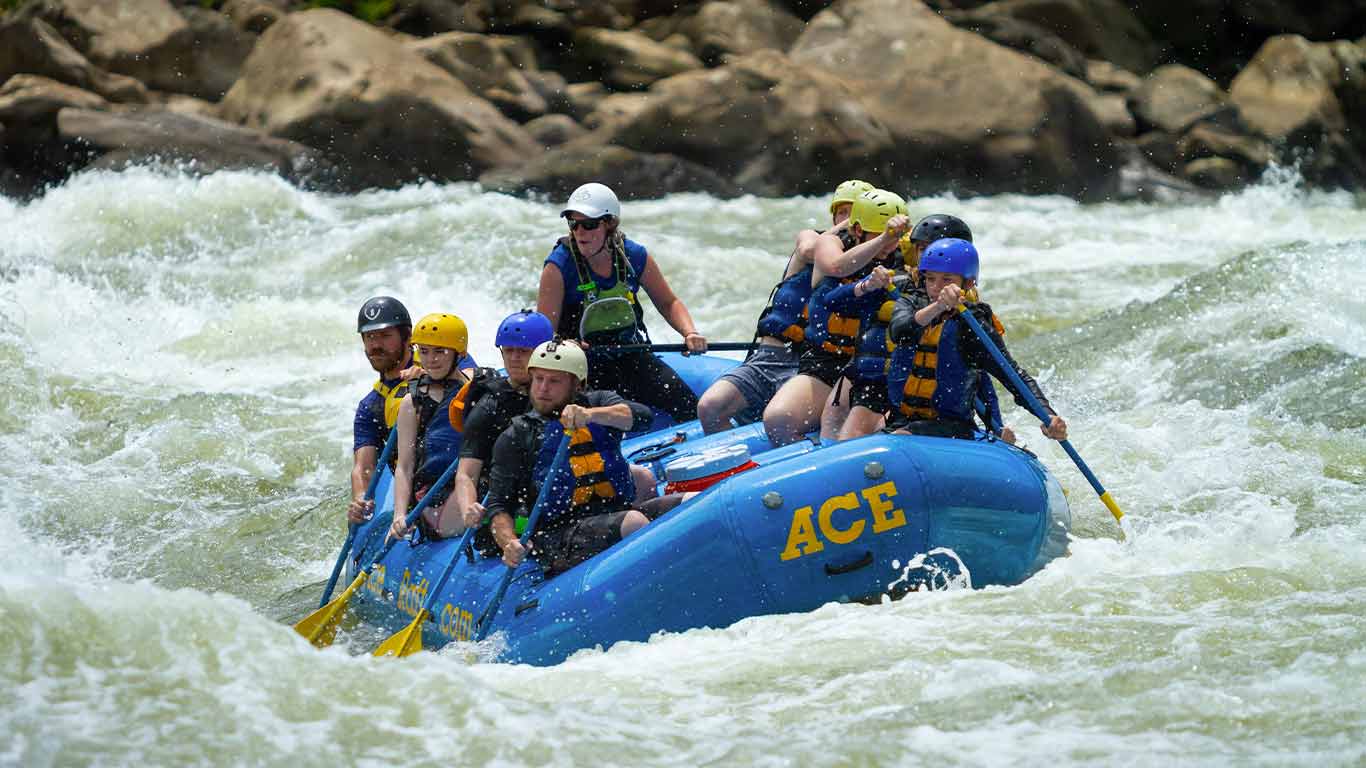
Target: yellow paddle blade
[(408, 640), (320, 626)]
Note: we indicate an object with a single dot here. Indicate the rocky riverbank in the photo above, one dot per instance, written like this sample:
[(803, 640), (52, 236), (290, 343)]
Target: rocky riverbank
[(1079, 97)]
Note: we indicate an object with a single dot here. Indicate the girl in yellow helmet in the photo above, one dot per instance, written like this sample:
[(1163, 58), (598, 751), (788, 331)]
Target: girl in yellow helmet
[(428, 441)]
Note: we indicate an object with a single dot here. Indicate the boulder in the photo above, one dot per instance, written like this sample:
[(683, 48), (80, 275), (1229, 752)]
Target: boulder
[(1099, 29), (1311, 99), (723, 28), (1112, 110), (34, 152), (635, 174), (1023, 36), (1104, 76), (382, 113), (1160, 148), (583, 98), (197, 143), (1174, 97), (886, 90), (213, 60), (254, 16), (26, 99), (1294, 87), (1216, 173), (483, 64), (131, 37), (628, 60), (1210, 141), (553, 130), (618, 108), (30, 45)]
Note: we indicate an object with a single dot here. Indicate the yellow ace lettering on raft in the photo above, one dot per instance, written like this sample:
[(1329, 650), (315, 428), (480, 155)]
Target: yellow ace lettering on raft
[(810, 526)]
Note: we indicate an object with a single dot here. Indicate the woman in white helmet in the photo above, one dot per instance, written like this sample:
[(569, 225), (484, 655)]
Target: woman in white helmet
[(589, 286)]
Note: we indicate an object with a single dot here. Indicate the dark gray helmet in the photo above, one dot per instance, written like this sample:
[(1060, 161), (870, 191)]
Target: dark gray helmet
[(940, 225), (382, 312)]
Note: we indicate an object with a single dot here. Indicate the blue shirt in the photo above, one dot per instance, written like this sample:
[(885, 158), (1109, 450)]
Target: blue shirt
[(368, 428)]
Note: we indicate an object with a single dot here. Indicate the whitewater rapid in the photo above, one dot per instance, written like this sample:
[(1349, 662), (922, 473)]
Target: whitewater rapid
[(181, 369)]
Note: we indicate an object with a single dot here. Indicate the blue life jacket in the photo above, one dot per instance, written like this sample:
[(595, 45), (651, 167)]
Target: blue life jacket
[(438, 441), (785, 315)]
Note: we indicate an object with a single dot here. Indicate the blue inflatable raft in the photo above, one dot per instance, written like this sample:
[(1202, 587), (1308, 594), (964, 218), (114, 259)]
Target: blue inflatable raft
[(862, 520)]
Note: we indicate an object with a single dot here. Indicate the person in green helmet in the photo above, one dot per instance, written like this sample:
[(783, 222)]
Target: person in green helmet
[(863, 257), (743, 392)]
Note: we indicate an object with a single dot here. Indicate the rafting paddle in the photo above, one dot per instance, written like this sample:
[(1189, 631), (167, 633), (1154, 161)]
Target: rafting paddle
[(351, 535), (409, 639), (320, 627), (1038, 410), (486, 618), (718, 346)]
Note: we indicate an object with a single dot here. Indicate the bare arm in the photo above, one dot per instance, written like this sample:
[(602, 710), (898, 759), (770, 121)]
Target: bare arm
[(617, 416), (833, 260), (670, 306), (403, 468), (550, 296), (466, 491), (362, 466)]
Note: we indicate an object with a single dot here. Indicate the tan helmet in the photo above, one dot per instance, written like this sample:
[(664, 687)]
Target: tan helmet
[(555, 355)]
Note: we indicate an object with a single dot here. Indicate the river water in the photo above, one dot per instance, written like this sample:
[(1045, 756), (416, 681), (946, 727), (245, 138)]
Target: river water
[(180, 370)]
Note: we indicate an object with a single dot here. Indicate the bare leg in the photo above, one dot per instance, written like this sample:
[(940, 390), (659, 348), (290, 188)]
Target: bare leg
[(719, 403), (633, 522), (862, 421), (795, 409), (832, 418), (645, 483), (445, 525)]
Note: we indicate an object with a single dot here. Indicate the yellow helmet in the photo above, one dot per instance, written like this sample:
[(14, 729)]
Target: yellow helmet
[(442, 330), (848, 191), (872, 209)]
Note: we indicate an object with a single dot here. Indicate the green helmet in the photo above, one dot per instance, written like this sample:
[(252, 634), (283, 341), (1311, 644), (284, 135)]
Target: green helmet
[(872, 209), (847, 192)]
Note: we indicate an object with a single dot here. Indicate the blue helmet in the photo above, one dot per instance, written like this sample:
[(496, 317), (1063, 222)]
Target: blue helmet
[(527, 328), (951, 255)]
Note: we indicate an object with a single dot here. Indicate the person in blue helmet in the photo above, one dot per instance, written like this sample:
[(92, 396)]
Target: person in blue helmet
[(949, 358), (385, 329)]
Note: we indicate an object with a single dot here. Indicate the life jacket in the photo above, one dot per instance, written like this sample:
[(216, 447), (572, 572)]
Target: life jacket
[(785, 316), (386, 411), (438, 439), (599, 471), (938, 384), (871, 359), (484, 382), (836, 332), (625, 285)]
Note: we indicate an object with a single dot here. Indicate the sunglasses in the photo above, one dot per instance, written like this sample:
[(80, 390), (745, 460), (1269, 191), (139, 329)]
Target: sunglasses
[(587, 225)]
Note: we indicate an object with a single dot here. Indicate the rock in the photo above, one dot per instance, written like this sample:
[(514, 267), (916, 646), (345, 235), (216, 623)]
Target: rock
[(1216, 173), (1208, 141), (1160, 148), (1141, 180), (640, 175), (1105, 76), (1023, 36), (199, 144), (30, 45), (1293, 86), (253, 16), (212, 62), (629, 59), (1100, 29), (381, 112), (1173, 97), (1112, 110), (551, 87), (36, 155), (723, 28), (583, 98), (1311, 99), (1218, 36), (553, 130), (618, 108), (131, 37), (942, 106), (186, 105), (429, 18), (31, 98), (485, 67)]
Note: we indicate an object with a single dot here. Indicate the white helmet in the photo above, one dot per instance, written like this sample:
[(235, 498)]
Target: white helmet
[(594, 200), (564, 356)]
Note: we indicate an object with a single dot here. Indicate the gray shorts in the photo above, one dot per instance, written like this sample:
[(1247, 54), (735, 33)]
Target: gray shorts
[(760, 377)]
